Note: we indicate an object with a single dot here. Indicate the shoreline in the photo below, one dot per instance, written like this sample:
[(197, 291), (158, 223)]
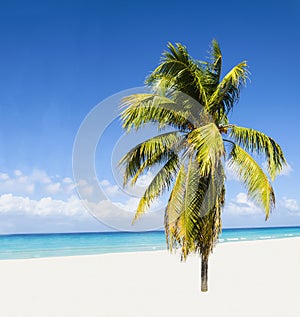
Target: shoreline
[(246, 278), (176, 252), (162, 230)]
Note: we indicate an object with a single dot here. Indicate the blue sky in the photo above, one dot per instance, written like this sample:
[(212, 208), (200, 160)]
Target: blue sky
[(61, 58)]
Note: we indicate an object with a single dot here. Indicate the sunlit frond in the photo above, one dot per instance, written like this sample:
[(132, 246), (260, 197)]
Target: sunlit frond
[(150, 152), (208, 144), (161, 182), (253, 177), (210, 201), (227, 92), (193, 215), (179, 71), (258, 142), (216, 60), (142, 109), (181, 218), (174, 208)]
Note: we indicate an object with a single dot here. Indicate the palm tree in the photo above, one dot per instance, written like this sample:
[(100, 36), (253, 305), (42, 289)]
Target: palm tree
[(190, 103)]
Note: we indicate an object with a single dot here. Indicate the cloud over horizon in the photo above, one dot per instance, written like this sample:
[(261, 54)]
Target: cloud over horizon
[(242, 205), (52, 198), (42, 196), (36, 183)]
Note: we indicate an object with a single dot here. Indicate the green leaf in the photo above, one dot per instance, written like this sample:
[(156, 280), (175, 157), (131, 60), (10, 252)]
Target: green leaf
[(227, 92), (216, 60), (180, 72), (142, 109), (253, 177), (150, 152), (257, 142), (161, 181), (208, 144)]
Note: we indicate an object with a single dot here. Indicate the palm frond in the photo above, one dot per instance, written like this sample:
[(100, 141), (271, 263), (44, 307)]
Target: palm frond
[(257, 142), (210, 202), (253, 177), (216, 60), (179, 71), (193, 218), (150, 152), (227, 92), (210, 189), (208, 144), (210, 228), (161, 182), (142, 109), (180, 217), (174, 208)]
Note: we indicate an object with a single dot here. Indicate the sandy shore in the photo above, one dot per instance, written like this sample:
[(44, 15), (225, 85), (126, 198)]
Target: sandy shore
[(256, 279)]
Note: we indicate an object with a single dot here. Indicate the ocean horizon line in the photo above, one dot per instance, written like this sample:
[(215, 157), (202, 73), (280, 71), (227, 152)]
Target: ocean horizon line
[(133, 231), (34, 245)]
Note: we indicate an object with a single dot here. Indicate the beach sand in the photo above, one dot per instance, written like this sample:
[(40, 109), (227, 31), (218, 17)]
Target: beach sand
[(257, 278)]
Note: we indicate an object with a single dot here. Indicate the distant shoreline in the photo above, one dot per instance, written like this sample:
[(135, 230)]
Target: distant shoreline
[(100, 232), (25, 246)]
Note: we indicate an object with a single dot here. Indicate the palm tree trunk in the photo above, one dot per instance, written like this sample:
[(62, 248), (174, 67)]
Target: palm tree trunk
[(204, 268)]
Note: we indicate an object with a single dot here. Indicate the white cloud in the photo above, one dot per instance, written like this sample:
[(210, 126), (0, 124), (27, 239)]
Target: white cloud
[(67, 180), (19, 211), (30, 188), (84, 188), (140, 186), (114, 214), (230, 173), (17, 172), (242, 205), (40, 176), (112, 190), (35, 195), (53, 188), (130, 205), (68, 189), (104, 183), (46, 206), (109, 189), (287, 169), (20, 184), (120, 215), (4, 176), (290, 204), (37, 183), (145, 180)]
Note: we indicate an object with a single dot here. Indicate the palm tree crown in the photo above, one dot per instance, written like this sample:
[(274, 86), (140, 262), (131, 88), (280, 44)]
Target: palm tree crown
[(190, 103)]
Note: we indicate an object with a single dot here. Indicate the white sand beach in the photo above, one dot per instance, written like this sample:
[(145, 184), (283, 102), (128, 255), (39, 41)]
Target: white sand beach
[(259, 278)]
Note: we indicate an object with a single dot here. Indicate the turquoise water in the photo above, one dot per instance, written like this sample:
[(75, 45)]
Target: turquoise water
[(26, 246)]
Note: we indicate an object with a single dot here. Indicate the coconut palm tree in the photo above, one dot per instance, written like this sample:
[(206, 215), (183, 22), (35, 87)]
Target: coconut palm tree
[(190, 104)]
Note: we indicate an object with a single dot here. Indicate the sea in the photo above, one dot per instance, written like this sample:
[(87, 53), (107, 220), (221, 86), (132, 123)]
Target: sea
[(26, 246)]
